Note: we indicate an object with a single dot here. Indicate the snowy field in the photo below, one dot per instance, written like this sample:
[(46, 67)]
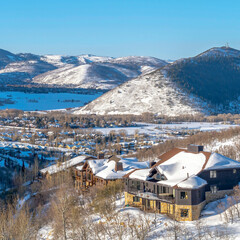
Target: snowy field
[(44, 101), (213, 224), (151, 129)]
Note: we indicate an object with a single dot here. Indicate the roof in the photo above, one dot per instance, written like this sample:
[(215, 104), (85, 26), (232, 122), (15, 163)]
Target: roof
[(63, 166), (192, 182), (218, 161), (141, 174), (105, 168), (178, 164)]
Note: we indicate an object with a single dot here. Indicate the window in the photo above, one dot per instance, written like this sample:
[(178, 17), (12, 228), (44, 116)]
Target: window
[(126, 182), (183, 195), (157, 189), (133, 183), (89, 176), (153, 188), (234, 171), (138, 185), (213, 188), (136, 199), (184, 212), (158, 176), (213, 174), (164, 189)]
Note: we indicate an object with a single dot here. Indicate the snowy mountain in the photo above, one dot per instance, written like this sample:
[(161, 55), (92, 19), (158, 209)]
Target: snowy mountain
[(149, 93), (187, 86), (84, 71), (100, 73)]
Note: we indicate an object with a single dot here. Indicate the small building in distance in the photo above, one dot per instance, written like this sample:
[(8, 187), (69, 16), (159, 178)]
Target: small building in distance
[(182, 182)]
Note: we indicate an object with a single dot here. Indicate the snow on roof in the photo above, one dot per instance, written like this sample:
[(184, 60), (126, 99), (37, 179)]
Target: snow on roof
[(97, 165), (218, 161), (141, 174), (178, 164), (181, 165), (192, 182), (58, 168), (105, 169)]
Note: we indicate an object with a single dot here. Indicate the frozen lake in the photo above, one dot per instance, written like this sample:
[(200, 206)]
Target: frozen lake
[(44, 101)]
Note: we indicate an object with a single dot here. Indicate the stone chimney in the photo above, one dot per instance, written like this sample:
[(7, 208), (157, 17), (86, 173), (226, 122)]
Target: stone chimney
[(194, 148), (118, 166)]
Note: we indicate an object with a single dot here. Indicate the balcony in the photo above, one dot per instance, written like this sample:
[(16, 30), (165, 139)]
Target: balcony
[(165, 197)]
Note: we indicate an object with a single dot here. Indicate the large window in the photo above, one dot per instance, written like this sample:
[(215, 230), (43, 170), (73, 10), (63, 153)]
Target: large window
[(184, 212), (213, 188), (183, 195), (136, 199), (213, 174)]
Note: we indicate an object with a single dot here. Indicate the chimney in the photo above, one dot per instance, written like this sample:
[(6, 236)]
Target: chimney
[(194, 148), (152, 163), (118, 166)]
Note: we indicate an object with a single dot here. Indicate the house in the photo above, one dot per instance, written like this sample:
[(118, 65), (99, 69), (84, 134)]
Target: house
[(52, 170), (182, 182), (103, 171)]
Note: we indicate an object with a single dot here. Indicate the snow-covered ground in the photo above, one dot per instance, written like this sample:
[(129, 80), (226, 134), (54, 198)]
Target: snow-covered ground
[(211, 225), (151, 129)]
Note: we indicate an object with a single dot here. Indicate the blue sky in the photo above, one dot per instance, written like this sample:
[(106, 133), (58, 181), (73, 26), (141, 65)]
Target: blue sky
[(167, 29)]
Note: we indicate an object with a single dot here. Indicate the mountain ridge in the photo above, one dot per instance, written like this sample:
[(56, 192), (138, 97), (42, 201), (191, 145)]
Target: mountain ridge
[(82, 71), (187, 86)]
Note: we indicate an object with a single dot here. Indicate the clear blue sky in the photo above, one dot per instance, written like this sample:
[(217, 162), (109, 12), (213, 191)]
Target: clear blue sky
[(167, 29)]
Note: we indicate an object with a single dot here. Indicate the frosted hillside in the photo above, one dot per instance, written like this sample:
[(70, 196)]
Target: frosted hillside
[(83, 71), (149, 93), (100, 72)]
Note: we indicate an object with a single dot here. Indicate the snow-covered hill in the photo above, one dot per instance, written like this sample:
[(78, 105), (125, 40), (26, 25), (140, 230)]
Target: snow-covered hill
[(149, 93), (84, 71), (187, 86)]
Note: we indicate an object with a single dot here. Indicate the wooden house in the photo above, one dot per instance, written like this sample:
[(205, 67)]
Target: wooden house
[(103, 171)]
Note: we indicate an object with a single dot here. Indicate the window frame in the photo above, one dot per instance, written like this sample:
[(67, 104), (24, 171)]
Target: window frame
[(213, 189), (213, 174), (185, 195), (184, 213), (136, 199)]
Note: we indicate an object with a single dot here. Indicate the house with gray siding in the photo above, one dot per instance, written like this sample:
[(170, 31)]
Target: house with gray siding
[(181, 182)]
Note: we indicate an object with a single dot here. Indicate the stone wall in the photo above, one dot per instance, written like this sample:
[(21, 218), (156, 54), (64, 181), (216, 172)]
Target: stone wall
[(193, 211), (215, 196)]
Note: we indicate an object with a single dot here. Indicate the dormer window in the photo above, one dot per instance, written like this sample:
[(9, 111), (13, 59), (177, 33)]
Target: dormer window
[(158, 176), (213, 174)]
